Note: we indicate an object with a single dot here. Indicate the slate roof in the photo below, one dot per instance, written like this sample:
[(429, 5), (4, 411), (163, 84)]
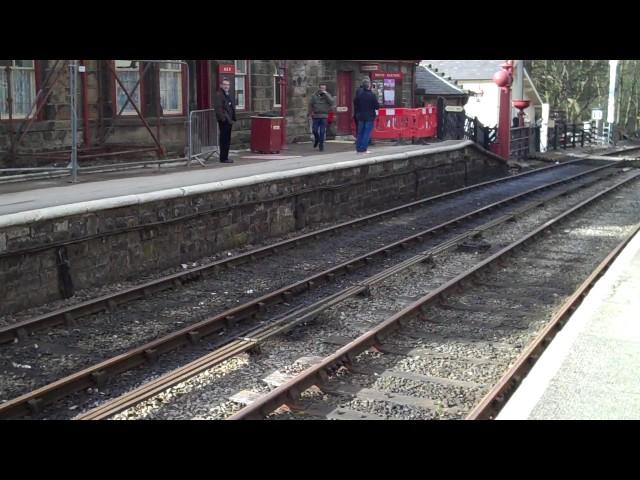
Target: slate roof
[(466, 69), (435, 84)]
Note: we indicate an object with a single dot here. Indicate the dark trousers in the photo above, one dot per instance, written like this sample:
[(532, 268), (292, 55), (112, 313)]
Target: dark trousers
[(225, 139), (319, 129)]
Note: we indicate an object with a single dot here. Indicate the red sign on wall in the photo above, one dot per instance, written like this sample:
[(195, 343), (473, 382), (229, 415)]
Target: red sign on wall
[(383, 75), (228, 68)]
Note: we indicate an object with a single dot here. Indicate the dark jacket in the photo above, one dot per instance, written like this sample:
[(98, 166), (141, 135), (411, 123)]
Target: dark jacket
[(320, 104), (225, 107), (365, 105)]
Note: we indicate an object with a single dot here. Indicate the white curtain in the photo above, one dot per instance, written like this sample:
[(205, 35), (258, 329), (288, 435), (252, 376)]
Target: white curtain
[(23, 92), (171, 88), (128, 78)]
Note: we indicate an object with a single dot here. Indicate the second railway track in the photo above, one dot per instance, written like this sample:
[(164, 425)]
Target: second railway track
[(411, 367), (402, 251)]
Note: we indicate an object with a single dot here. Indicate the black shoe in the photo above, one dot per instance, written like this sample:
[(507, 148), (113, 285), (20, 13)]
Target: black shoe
[(315, 144), (321, 147), (228, 160)]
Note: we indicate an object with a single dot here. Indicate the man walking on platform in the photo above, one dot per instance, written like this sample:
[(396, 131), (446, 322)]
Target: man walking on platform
[(320, 105), (365, 107), (225, 114)]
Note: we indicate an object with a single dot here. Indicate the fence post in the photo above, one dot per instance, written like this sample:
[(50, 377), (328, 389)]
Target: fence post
[(582, 137), (475, 129), (573, 136), (441, 118), (555, 137), (564, 139), (73, 78)]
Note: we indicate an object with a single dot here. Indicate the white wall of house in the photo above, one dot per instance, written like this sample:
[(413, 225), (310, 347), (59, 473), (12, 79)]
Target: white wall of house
[(530, 112), (485, 106)]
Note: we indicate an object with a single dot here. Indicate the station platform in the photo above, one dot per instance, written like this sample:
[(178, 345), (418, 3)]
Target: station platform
[(39, 194), (591, 369)]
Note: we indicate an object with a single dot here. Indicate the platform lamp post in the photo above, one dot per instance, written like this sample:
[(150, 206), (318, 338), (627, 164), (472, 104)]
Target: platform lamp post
[(521, 105), (282, 73), (504, 78)]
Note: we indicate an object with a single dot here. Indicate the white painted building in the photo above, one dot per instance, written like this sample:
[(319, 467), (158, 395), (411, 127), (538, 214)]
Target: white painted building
[(476, 77)]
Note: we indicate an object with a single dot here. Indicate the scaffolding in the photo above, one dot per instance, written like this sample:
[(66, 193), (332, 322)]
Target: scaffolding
[(19, 128)]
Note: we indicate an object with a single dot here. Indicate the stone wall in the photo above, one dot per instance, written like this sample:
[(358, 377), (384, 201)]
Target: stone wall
[(51, 130), (120, 243)]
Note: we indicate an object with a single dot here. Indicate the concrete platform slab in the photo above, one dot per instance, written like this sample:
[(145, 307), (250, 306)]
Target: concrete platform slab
[(21, 197)]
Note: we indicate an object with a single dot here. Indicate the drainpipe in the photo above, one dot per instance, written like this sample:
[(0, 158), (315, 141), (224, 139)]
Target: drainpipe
[(283, 105), (413, 85), (156, 83), (86, 136), (10, 110)]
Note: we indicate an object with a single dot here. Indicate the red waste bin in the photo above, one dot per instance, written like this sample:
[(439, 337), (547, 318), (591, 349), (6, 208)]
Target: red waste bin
[(266, 134)]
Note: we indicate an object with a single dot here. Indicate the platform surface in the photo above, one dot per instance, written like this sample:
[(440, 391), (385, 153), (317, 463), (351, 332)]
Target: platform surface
[(591, 369), (33, 195)]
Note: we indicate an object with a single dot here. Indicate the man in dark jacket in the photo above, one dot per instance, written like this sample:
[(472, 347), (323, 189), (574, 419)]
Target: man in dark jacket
[(365, 107), (225, 114), (320, 105)]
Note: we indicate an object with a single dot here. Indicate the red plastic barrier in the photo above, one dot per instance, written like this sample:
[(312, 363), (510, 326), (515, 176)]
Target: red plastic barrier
[(409, 123), (426, 124), (384, 125), (405, 121)]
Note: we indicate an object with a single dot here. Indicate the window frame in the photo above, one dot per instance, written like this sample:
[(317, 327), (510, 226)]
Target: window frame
[(247, 94), (35, 73), (116, 86), (183, 85), (277, 89)]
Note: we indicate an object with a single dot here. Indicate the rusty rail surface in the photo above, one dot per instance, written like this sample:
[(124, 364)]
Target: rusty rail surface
[(289, 392), (99, 374), (70, 315), (252, 338), (492, 403)]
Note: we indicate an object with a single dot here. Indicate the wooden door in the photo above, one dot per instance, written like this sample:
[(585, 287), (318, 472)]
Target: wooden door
[(344, 103), (203, 85)]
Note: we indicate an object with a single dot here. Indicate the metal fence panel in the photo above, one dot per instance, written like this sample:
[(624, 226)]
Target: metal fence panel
[(203, 135)]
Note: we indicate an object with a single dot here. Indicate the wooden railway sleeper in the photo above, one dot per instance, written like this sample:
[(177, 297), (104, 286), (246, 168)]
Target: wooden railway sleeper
[(100, 378), (69, 320), (151, 355), (35, 405), (112, 304), (22, 334)]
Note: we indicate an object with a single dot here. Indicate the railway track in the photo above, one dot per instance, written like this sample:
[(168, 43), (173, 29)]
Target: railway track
[(72, 315), (319, 374), (99, 374), (415, 361)]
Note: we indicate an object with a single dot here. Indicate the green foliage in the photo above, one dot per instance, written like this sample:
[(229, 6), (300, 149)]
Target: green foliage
[(577, 86)]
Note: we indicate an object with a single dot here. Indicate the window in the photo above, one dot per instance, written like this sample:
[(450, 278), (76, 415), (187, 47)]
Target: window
[(277, 89), (171, 88), (129, 74), (23, 88), (241, 84)]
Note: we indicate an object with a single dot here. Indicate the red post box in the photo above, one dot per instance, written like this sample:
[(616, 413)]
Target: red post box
[(266, 134)]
